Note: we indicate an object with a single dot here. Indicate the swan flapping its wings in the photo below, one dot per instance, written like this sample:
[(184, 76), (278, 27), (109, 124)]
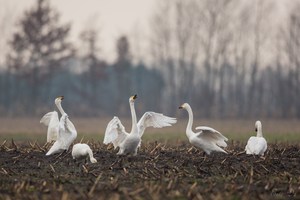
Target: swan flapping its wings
[(51, 120), (129, 142), (115, 132), (208, 139), (66, 130), (212, 135), (156, 120)]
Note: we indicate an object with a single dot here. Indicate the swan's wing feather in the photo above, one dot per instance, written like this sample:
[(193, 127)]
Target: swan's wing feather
[(115, 132), (48, 116), (212, 135), (156, 120)]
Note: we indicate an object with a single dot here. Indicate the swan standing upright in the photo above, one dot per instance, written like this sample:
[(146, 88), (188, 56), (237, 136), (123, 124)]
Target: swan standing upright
[(256, 145), (129, 142), (208, 139), (67, 132)]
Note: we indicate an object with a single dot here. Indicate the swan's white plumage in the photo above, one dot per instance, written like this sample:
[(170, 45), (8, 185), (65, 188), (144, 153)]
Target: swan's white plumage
[(51, 120), (115, 132), (67, 132), (129, 142), (156, 120), (208, 139), (256, 145), (82, 151)]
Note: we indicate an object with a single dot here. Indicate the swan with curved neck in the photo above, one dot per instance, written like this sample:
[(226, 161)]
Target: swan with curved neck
[(207, 139), (67, 131), (80, 151), (257, 145), (129, 142)]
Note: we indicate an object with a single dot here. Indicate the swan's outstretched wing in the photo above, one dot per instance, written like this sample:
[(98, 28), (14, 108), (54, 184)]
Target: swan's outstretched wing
[(51, 120), (156, 120), (115, 132), (66, 125), (50, 116), (212, 135)]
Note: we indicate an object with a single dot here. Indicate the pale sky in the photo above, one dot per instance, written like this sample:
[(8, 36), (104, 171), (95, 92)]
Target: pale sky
[(111, 17)]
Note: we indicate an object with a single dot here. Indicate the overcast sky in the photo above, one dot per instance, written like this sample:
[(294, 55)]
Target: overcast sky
[(111, 17)]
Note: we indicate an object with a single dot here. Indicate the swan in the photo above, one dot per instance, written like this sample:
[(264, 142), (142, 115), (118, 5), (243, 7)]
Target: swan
[(129, 142), (51, 120), (208, 139), (67, 132), (256, 145), (83, 151)]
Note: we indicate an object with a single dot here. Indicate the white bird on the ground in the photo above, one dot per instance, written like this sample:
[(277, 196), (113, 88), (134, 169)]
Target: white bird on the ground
[(256, 145), (80, 151), (129, 142), (51, 120), (67, 132), (208, 139)]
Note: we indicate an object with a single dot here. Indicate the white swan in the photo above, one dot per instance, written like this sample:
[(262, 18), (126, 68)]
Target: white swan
[(51, 120), (82, 151), (67, 132), (129, 142), (208, 139), (256, 145)]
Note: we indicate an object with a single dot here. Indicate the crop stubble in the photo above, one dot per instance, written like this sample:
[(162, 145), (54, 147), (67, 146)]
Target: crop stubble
[(159, 171)]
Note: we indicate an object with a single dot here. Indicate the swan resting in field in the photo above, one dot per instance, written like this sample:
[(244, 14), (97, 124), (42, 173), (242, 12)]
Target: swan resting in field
[(256, 145), (82, 151), (207, 139), (129, 142), (66, 131)]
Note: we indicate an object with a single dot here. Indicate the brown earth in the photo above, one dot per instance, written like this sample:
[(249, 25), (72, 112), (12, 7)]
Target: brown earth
[(159, 171)]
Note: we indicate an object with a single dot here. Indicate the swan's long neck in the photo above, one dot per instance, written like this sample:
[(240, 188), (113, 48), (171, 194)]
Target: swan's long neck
[(134, 121), (61, 110), (259, 131), (190, 122), (90, 155)]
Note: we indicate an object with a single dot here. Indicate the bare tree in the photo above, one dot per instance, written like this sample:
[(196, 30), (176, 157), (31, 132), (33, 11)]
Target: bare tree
[(39, 47)]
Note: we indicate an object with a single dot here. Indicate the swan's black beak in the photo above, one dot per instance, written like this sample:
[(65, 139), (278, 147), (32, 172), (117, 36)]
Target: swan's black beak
[(60, 97), (255, 129), (135, 96), (180, 107)]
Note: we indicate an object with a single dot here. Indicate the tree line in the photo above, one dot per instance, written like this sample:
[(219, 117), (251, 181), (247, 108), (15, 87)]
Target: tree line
[(223, 57)]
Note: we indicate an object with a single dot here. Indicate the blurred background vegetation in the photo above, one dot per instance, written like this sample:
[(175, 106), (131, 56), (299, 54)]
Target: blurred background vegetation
[(224, 57)]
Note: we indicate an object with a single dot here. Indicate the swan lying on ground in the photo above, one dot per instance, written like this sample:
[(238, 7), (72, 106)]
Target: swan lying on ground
[(208, 139), (129, 142), (66, 134), (80, 151), (256, 145)]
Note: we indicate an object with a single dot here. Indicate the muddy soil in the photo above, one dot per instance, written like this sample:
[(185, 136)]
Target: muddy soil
[(159, 171)]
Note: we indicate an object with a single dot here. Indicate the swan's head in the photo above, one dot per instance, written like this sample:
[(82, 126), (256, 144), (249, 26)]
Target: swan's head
[(132, 98), (93, 160), (257, 126), (184, 106), (59, 99)]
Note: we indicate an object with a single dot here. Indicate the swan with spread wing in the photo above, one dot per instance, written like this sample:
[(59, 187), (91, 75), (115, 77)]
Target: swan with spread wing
[(208, 139), (129, 142), (51, 120), (64, 131)]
